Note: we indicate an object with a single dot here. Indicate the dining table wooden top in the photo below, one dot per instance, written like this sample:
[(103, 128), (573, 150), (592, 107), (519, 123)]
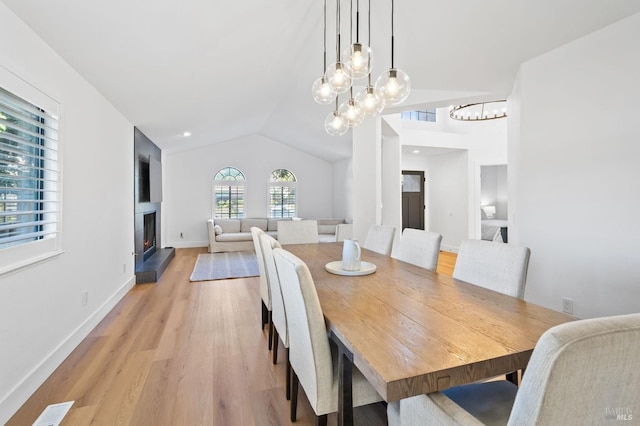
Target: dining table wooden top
[(412, 331)]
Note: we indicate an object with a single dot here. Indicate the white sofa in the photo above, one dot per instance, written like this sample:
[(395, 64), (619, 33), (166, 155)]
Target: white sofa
[(235, 234), (327, 229)]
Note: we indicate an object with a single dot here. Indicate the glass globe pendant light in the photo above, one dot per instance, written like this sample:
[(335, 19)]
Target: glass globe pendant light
[(394, 85), (335, 124), (370, 103), (323, 92), (352, 112), (358, 57), (337, 74), (338, 77)]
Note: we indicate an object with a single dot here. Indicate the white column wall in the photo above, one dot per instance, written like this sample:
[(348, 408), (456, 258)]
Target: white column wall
[(576, 148), (343, 188), (448, 189), (391, 185), (367, 177), (42, 318)]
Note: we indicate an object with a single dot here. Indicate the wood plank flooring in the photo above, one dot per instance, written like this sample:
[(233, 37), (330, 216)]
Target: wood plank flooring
[(181, 353)]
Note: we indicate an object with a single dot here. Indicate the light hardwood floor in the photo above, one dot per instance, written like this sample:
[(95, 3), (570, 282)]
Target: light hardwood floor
[(181, 353)]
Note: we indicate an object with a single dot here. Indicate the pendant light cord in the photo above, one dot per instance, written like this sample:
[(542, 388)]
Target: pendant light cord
[(357, 21), (337, 30), (392, 33), (351, 23), (369, 29), (325, 38)]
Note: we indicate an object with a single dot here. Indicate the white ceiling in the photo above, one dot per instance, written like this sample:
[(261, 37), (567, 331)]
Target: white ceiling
[(226, 69)]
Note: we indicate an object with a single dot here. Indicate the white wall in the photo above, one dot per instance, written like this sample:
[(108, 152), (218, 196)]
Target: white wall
[(41, 315), (576, 149), (481, 142), (449, 207), (188, 182), (343, 188)]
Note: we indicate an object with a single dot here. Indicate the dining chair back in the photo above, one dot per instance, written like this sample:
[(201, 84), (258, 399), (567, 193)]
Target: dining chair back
[(310, 353), (278, 313), (344, 231), (380, 239), (297, 231), (419, 247), (265, 293), (496, 266), (584, 372)]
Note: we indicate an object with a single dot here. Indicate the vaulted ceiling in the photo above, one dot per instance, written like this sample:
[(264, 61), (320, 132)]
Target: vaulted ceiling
[(226, 69)]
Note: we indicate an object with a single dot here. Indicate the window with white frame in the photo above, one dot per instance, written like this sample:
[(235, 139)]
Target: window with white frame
[(30, 176), (228, 193), (423, 115), (282, 193)]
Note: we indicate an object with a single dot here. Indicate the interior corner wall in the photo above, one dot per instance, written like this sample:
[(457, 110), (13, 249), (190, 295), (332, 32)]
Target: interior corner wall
[(188, 184), (447, 181), (578, 180), (343, 188), (42, 317)]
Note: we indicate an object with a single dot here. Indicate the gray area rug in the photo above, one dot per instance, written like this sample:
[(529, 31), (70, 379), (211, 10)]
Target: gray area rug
[(220, 266)]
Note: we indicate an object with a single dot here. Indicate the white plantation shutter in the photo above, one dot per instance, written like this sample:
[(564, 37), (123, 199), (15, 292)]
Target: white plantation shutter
[(30, 178)]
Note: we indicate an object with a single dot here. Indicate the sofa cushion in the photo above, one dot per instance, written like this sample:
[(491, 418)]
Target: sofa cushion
[(273, 223), (327, 229), (234, 236), (247, 224), (228, 225)]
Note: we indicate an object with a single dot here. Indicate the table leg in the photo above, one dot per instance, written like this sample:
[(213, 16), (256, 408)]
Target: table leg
[(345, 392)]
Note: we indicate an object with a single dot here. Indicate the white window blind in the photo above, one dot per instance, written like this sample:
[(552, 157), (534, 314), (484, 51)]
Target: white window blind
[(228, 193), (282, 193), (29, 172)]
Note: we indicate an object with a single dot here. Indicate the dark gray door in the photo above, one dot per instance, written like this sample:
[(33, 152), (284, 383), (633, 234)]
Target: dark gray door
[(413, 199)]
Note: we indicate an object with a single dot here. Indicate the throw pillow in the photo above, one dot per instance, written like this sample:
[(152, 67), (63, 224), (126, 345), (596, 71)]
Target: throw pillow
[(217, 229)]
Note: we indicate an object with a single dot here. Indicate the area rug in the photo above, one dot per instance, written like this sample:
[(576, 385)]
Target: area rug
[(220, 266)]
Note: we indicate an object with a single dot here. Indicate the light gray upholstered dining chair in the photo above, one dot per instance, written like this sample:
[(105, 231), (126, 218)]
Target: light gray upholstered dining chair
[(581, 373), (419, 247), (380, 239), (265, 293), (313, 362), (496, 266), (298, 231), (278, 314), (344, 231)]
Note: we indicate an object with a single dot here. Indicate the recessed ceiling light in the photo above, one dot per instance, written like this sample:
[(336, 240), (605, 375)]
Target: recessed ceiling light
[(415, 151), (186, 134)]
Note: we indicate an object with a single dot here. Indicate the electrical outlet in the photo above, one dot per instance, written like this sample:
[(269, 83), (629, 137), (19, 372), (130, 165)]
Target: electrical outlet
[(567, 305), (85, 298), (181, 235)]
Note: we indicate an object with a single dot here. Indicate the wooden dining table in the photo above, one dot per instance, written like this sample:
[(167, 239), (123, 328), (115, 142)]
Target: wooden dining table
[(411, 331)]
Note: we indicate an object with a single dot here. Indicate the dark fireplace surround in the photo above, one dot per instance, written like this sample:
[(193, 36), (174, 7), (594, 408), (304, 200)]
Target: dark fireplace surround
[(149, 235), (151, 259)]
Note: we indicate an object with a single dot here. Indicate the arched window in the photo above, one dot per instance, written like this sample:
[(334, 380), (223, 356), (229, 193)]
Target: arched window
[(228, 193), (282, 193)]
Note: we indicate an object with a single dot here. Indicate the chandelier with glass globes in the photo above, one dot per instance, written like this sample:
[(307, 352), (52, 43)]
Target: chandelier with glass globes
[(352, 64)]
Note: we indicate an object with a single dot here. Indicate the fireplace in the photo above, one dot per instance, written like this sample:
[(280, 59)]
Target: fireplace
[(149, 235)]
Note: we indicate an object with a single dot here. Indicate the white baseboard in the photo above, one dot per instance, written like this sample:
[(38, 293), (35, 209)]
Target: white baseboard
[(188, 244), (32, 381)]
